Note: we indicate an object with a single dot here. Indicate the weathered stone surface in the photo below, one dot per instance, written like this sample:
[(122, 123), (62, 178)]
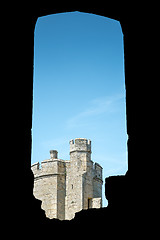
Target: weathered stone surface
[(67, 187)]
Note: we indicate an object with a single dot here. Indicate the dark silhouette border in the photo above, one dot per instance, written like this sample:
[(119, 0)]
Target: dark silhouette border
[(115, 218)]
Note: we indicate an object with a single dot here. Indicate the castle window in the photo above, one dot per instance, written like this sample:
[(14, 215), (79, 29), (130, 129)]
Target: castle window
[(72, 186)]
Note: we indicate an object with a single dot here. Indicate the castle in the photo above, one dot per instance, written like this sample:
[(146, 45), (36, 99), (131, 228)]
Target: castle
[(66, 187)]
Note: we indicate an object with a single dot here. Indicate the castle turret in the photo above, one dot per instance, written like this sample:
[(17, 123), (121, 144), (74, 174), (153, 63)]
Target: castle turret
[(68, 186), (80, 145), (49, 185), (80, 154), (80, 178)]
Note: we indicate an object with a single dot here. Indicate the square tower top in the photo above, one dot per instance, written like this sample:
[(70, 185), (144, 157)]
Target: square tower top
[(80, 145)]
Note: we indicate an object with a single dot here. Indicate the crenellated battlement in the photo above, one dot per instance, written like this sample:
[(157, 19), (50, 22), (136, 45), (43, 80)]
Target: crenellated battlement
[(80, 144), (80, 141), (48, 167)]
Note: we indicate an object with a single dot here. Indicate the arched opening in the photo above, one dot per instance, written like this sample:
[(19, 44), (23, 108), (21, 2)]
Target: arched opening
[(82, 105)]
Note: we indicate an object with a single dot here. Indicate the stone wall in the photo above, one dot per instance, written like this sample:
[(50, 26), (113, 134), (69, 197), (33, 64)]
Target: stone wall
[(67, 187), (49, 187)]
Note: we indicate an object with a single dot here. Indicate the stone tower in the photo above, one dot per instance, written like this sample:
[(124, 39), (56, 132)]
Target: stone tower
[(49, 185), (67, 187)]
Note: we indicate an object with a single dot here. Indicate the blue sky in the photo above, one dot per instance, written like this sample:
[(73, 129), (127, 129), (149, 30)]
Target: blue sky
[(79, 89)]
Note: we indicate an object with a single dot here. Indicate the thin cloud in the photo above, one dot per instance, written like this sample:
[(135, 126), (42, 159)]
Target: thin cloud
[(96, 107)]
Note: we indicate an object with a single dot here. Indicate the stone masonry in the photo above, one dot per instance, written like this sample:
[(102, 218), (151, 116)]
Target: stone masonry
[(66, 187)]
